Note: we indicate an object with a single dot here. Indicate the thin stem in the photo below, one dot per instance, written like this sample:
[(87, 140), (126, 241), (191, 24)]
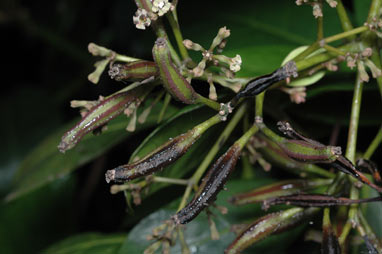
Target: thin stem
[(326, 56), (320, 25), (123, 58), (167, 100), (211, 154), (172, 18), (344, 18), (334, 50), (259, 104), (329, 39), (350, 154), (183, 244), (374, 145), (159, 179), (346, 34), (354, 119), (352, 217), (210, 103)]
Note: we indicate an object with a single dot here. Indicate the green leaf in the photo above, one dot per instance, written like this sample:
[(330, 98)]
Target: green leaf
[(270, 57), (38, 219), (361, 10), (197, 232), (88, 243), (45, 164)]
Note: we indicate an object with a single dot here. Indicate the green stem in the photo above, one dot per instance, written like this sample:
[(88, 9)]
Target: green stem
[(210, 103), (352, 217), (329, 39), (374, 145), (326, 56), (350, 154), (334, 50), (259, 104), (346, 34), (123, 58), (173, 20), (211, 154), (167, 100), (244, 139), (354, 120), (344, 18), (320, 26), (159, 179)]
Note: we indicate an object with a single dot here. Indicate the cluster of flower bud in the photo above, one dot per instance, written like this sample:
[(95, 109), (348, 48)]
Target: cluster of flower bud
[(218, 43), (317, 6), (149, 11), (359, 60)]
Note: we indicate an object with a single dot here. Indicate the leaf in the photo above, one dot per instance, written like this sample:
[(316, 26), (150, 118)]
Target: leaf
[(361, 10), (197, 232), (45, 164), (34, 219), (270, 57), (88, 243)]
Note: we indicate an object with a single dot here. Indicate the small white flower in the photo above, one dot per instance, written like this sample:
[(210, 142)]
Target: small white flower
[(235, 64), (161, 7), (141, 19), (317, 11)]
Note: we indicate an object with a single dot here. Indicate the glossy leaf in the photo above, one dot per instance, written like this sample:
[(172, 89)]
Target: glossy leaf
[(88, 243)]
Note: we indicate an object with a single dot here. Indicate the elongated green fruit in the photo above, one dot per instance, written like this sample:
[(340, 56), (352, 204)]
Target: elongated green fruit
[(98, 116), (315, 200), (304, 150), (269, 224), (274, 154), (283, 188), (161, 157), (301, 148), (172, 80), (134, 71), (214, 180)]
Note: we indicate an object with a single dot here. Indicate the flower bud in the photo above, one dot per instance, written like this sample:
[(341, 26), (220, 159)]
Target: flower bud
[(98, 116), (267, 225), (172, 80), (134, 71), (222, 35)]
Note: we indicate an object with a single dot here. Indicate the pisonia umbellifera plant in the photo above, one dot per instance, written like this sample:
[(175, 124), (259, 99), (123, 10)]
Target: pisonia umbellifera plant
[(328, 175)]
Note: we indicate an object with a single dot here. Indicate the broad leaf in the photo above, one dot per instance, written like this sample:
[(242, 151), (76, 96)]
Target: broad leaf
[(197, 232), (88, 243)]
